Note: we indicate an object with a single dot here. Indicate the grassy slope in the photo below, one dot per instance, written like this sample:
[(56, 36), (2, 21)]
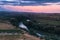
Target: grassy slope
[(47, 18)]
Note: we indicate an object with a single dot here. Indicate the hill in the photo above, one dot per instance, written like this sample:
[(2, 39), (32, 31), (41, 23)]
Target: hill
[(46, 23)]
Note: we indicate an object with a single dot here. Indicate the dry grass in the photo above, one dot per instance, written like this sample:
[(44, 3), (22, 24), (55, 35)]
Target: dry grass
[(18, 37), (14, 37), (6, 26)]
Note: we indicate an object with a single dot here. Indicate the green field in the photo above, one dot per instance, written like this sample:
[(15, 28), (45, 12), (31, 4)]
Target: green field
[(49, 24)]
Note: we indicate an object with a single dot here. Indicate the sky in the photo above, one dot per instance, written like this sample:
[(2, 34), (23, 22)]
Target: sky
[(39, 6)]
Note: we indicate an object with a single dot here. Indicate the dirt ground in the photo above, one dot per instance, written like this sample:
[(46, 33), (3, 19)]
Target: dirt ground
[(15, 37), (6, 26), (18, 37)]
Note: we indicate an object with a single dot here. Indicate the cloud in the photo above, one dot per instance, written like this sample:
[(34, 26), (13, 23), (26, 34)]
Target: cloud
[(57, 3), (48, 6), (41, 2), (44, 9), (30, 2), (16, 2), (2, 9), (44, 0)]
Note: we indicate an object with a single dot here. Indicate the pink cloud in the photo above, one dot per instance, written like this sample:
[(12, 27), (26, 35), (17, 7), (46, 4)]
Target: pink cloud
[(46, 9)]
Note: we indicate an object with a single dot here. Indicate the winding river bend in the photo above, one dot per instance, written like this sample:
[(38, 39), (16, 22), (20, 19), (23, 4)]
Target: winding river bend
[(31, 31), (37, 33)]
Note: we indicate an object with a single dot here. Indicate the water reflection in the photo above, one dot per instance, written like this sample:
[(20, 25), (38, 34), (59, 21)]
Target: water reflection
[(21, 25)]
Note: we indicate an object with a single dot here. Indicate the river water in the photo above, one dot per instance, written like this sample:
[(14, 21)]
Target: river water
[(21, 25), (39, 34)]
